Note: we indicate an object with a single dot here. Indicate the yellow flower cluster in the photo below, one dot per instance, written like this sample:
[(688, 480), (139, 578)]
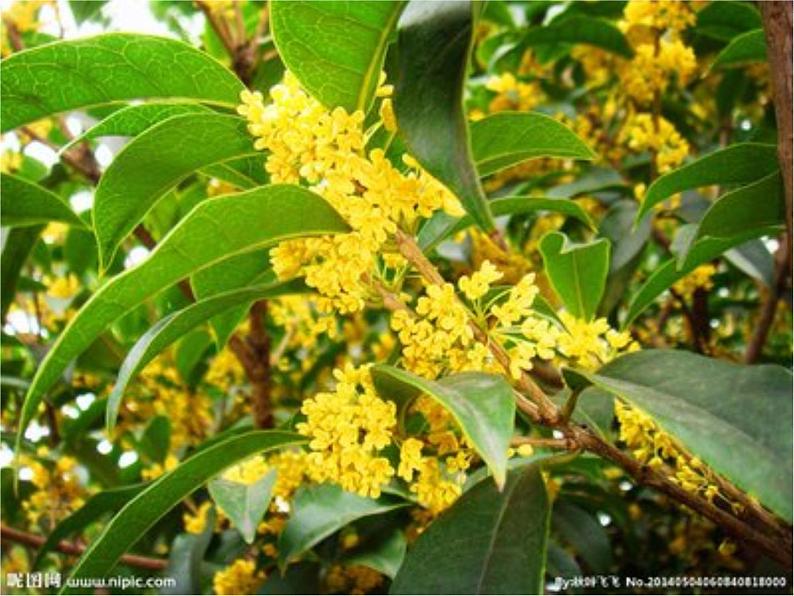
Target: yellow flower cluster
[(644, 132), (196, 522), (241, 577), (652, 446), (352, 579), (10, 161), (325, 149), (512, 94), (700, 278), (23, 14), (653, 30), (302, 321), (58, 492), (348, 428), (290, 467), (591, 344)]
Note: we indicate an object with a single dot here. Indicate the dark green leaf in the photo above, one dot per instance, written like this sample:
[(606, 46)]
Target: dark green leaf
[(244, 504), (80, 73), (582, 531), (577, 272), (175, 325), (741, 163), (743, 49), (335, 49), (726, 20), (505, 139), (488, 542), (319, 511), (433, 49), (164, 494), (154, 162), (758, 207), (18, 243), (735, 418), (580, 29), (481, 404), (671, 271), (185, 558), (441, 225), (216, 229), (23, 203), (385, 556)]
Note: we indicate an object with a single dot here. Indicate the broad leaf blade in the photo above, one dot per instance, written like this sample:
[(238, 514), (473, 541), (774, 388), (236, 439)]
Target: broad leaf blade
[(154, 162), (743, 49), (133, 120), (442, 225), (738, 164), (726, 20), (505, 139), (488, 542), (244, 504), (23, 203), (735, 418), (481, 404), (577, 272), (386, 556), (580, 29), (216, 229), (165, 493), (433, 49), (671, 270), (319, 511), (177, 324), (79, 73), (335, 49), (17, 247)]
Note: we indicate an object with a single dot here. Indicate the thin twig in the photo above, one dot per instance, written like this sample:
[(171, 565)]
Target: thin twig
[(69, 548)]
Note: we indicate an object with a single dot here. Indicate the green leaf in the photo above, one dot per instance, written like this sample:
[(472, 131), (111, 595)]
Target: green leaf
[(726, 20), (385, 556), (582, 531), (185, 559), (580, 29), (481, 404), (319, 511), (133, 120), (434, 43), (335, 49), (95, 507), (441, 225), (80, 73), (671, 271), (164, 494), (577, 272), (216, 229), (505, 139), (19, 242), (175, 325), (741, 163), (488, 542), (743, 49), (244, 504), (737, 419), (154, 162), (756, 208), (230, 274), (23, 203)]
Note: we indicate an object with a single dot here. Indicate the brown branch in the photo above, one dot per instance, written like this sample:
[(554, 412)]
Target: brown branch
[(253, 352), (10, 534), (773, 539), (769, 306), (777, 18)]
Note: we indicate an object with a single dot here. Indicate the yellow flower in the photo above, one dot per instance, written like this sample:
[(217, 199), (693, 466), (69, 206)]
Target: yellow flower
[(478, 285), (410, 458), (348, 427), (195, 523), (241, 577)]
